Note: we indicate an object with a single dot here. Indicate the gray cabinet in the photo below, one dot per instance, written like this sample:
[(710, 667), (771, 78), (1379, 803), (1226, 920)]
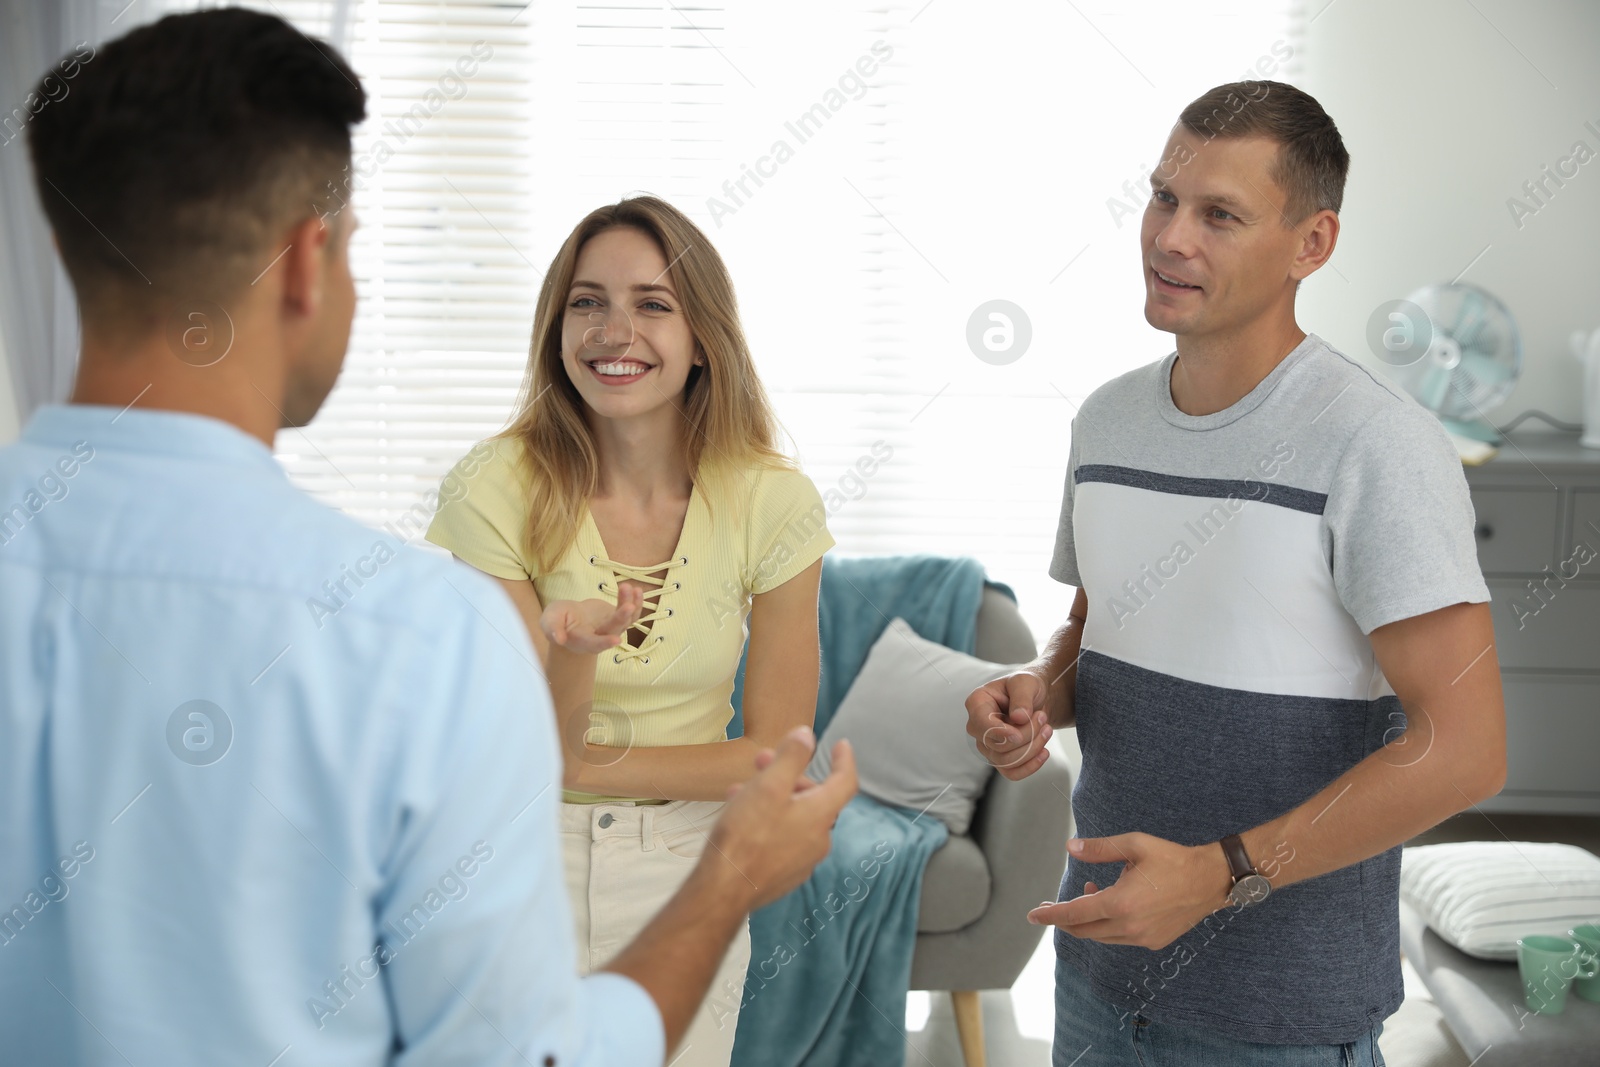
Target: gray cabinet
[(1538, 530)]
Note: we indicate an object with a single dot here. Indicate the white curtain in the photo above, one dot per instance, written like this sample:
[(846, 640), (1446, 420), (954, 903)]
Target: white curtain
[(38, 315)]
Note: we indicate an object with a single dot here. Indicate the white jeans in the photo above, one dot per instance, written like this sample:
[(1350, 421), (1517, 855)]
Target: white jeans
[(623, 862)]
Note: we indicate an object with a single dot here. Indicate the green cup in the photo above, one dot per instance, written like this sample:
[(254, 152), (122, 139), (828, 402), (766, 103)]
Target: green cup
[(1588, 936), (1548, 966)]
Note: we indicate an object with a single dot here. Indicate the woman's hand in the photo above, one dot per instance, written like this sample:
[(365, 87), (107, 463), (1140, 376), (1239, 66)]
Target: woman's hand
[(592, 626)]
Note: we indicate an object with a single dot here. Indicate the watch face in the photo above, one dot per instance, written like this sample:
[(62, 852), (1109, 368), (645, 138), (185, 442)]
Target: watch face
[(1251, 889)]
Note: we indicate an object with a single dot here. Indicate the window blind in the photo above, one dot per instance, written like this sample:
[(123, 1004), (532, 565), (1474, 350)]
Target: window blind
[(873, 173)]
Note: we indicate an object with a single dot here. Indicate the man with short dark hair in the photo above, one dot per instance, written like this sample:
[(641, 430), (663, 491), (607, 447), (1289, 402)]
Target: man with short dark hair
[(236, 827), (1279, 662)]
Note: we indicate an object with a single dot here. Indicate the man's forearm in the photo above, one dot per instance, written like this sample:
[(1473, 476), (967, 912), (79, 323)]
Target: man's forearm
[(1057, 667), (678, 954), (1444, 669), (1402, 789), (1388, 798)]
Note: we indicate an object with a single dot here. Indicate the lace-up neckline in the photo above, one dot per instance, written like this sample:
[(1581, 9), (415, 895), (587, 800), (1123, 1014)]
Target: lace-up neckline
[(665, 585)]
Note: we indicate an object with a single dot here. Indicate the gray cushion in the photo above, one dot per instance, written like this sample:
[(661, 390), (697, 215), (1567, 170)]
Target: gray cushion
[(955, 887), (905, 715)]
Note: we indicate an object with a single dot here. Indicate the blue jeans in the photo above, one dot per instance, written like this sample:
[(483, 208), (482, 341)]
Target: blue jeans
[(1092, 1033)]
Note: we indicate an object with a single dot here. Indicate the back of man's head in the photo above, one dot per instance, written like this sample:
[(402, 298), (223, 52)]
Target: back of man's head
[(183, 151)]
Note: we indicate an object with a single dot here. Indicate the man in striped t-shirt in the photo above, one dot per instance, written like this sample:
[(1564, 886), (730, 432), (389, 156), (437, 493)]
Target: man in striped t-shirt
[(1280, 661)]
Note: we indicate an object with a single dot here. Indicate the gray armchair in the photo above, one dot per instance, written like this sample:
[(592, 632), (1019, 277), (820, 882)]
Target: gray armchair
[(972, 927)]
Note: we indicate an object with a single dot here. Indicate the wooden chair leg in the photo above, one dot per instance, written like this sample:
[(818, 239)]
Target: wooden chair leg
[(969, 1025)]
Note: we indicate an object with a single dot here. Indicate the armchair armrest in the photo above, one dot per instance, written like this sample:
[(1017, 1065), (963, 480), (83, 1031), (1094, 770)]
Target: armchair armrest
[(1022, 828)]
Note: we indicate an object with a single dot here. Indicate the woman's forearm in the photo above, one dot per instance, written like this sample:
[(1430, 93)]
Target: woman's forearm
[(571, 679), (672, 772), (569, 674), (780, 693)]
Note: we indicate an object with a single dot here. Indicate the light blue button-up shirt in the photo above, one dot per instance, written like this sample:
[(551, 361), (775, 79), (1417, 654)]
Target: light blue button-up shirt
[(275, 788)]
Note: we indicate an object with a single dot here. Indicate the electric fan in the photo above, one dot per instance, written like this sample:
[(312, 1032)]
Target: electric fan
[(1471, 357)]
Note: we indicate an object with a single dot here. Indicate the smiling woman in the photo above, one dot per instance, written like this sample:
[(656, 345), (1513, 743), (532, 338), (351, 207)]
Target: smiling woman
[(640, 515), (600, 327)]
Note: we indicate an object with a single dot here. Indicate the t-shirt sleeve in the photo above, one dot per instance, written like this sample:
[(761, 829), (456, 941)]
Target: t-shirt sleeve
[(482, 516), (1399, 521), (1064, 562), (788, 529)]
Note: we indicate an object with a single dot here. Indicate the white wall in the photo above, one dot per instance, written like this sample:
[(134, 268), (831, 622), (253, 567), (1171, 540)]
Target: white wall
[(1446, 113)]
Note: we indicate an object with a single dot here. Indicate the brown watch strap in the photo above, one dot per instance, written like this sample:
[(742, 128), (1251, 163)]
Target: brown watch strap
[(1239, 863)]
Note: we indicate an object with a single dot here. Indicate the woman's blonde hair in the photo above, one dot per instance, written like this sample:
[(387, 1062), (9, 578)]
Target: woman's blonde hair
[(728, 422)]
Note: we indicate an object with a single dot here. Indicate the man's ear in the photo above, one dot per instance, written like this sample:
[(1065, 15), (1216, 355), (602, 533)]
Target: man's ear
[(1318, 236), (304, 264)]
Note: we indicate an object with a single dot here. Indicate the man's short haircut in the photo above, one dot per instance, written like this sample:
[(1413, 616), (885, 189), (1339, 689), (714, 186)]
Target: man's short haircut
[(1312, 162), (183, 151)]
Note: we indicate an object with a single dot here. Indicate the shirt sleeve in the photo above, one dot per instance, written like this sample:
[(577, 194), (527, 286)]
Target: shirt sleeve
[(474, 933), (1064, 561), (1398, 523), (787, 526), (483, 510)]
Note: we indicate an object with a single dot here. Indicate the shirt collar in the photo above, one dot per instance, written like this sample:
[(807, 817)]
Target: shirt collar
[(150, 431), (1239, 408)]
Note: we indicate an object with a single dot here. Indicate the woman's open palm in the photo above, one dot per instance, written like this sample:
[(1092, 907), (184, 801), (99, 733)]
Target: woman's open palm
[(593, 625)]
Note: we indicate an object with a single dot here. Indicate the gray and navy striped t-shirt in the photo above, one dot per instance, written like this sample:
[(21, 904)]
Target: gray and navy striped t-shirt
[(1233, 565)]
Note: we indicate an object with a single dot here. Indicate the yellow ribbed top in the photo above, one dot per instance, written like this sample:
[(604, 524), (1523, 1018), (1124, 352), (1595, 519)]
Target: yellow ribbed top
[(674, 687)]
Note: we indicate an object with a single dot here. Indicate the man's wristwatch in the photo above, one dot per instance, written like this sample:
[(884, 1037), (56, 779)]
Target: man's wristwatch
[(1249, 887)]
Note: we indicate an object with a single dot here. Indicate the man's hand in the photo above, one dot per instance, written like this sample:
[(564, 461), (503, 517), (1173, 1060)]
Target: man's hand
[(764, 760), (1007, 719), (1163, 891), (778, 825), (591, 626)]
